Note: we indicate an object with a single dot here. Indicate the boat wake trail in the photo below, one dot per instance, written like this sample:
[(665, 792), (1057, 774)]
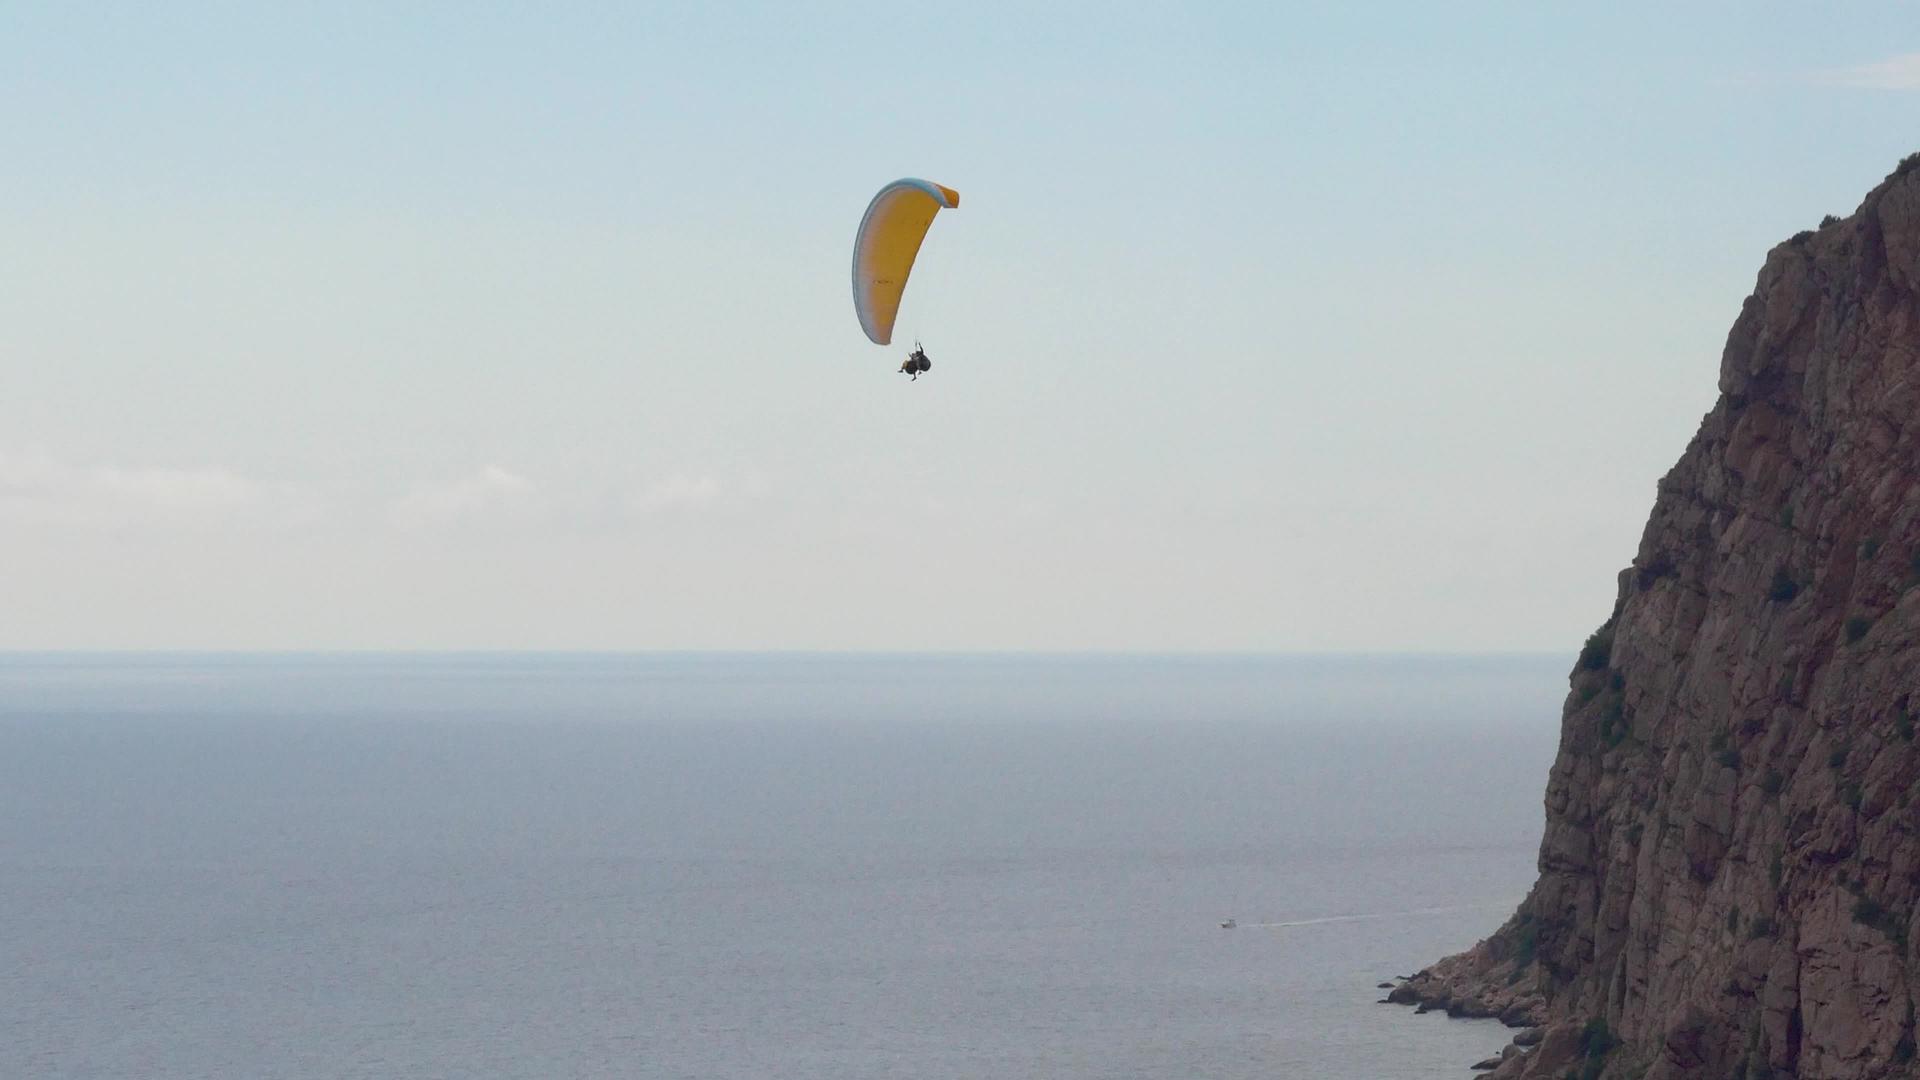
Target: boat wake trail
[(1412, 913)]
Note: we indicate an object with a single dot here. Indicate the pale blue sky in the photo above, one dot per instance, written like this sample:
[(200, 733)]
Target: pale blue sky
[(1341, 327)]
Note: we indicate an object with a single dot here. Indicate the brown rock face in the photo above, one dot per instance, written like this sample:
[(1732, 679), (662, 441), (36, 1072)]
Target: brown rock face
[(1730, 874)]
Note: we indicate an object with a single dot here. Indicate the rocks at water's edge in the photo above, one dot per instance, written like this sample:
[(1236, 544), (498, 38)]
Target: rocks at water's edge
[(1516, 1004), (1730, 872)]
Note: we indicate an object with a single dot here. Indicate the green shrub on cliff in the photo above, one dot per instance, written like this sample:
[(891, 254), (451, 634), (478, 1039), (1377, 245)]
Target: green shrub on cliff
[(1783, 588), (1596, 1042), (1614, 728), (1723, 750), (1597, 653), (1857, 628), (1596, 1039), (1660, 566), (1872, 913), (1526, 943)]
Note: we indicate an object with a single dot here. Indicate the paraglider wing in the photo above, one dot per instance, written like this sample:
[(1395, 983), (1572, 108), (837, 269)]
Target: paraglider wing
[(884, 249)]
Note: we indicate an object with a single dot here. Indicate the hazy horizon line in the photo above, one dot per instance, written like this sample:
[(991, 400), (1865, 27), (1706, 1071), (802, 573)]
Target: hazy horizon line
[(1438, 654)]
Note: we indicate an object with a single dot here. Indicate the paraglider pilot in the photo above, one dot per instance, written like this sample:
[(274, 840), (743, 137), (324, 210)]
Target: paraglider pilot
[(917, 362)]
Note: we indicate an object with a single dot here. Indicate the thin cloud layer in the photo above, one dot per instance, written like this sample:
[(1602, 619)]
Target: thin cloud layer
[(1894, 73), (490, 489), (36, 487), (676, 490)]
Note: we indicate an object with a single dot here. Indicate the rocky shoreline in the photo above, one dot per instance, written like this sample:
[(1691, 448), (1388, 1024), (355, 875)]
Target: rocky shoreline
[(1483, 984)]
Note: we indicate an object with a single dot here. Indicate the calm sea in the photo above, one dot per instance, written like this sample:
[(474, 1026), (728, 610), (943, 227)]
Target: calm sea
[(740, 866)]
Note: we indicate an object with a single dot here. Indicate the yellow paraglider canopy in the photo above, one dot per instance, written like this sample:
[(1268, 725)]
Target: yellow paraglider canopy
[(884, 249)]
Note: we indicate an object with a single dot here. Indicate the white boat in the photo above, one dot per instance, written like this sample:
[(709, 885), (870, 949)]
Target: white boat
[(1228, 925)]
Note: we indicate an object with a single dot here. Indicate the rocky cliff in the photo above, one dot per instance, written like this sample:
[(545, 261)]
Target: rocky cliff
[(1730, 874)]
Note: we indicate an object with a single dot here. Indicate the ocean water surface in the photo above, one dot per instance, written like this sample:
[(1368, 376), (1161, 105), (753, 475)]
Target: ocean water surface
[(753, 866)]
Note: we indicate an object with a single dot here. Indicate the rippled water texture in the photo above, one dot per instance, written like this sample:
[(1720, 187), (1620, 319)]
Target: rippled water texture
[(754, 866)]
